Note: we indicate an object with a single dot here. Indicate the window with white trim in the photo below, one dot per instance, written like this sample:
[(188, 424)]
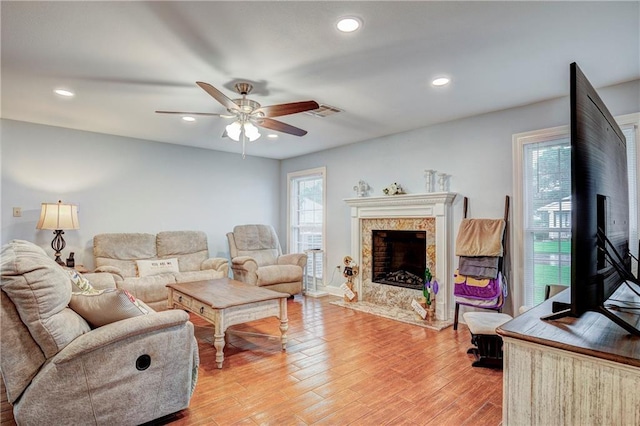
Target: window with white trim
[(306, 204), (542, 207)]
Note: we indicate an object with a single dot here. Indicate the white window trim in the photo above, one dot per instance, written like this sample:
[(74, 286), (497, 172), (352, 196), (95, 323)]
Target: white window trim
[(517, 222), (301, 173)]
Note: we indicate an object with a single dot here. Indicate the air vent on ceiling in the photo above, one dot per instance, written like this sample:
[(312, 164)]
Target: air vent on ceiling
[(324, 111)]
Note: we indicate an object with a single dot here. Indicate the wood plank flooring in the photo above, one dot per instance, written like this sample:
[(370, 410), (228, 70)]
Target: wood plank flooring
[(341, 367)]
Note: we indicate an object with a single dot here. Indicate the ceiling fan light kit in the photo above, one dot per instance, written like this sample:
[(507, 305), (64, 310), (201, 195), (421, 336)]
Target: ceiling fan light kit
[(249, 114)]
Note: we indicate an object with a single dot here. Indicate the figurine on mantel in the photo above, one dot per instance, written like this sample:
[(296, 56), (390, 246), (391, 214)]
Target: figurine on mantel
[(362, 189), (393, 189)]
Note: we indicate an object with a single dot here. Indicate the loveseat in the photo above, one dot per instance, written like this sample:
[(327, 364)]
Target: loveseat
[(59, 369), (144, 264)]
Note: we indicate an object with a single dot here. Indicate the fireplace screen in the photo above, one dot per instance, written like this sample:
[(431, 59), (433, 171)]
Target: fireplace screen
[(399, 258)]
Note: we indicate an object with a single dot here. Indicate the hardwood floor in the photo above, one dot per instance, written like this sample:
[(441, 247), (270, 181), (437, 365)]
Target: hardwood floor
[(341, 367)]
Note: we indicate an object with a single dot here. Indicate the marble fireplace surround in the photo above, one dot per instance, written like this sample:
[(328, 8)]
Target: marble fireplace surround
[(429, 212)]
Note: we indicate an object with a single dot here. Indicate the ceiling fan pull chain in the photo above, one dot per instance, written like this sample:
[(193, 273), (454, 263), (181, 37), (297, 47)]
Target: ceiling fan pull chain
[(244, 139)]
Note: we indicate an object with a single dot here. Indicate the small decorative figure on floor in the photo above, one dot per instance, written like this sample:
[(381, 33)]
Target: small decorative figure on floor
[(351, 271)]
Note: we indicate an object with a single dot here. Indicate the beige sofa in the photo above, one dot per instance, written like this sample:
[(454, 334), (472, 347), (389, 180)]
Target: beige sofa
[(133, 260), (59, 370)]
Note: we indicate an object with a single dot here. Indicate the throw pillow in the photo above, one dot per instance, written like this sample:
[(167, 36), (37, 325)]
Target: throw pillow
[(103, 307), (156, 266), (80, 283)]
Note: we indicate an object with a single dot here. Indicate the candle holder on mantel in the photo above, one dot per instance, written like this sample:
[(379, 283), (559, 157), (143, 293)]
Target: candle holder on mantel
[(443, 181), (428, 177)]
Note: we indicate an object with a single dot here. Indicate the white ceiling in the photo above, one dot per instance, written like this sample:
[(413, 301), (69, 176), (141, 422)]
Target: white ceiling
[(125, 60)]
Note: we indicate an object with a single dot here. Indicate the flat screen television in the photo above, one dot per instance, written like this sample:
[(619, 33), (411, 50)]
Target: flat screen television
[(600, 257)]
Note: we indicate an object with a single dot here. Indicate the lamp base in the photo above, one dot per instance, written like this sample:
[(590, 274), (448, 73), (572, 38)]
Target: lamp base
[(58, 260), (58, 245)]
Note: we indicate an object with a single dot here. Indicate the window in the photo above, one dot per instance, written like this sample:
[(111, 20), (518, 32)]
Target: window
[(542, 208), (306, 191)]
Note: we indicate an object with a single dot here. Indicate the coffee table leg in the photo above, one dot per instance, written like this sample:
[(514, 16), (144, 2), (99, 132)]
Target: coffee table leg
[(218, 342), (284, 322)]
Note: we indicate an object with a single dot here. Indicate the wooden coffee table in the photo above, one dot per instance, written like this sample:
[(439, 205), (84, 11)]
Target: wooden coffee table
[(225, 302)]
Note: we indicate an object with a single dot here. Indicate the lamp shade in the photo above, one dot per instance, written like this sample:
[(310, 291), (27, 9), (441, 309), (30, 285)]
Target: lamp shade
[(58, 216)]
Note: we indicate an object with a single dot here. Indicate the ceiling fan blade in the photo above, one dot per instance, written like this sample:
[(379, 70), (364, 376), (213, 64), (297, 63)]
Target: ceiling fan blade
[(279, 126), (286, 109), (212, 114), (217, 95)]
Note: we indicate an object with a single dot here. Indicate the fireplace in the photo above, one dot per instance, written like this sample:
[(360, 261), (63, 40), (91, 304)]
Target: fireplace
[(429, 213), (399, 257)]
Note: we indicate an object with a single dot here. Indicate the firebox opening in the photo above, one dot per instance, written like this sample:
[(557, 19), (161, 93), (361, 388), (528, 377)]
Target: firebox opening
[(399, 258)]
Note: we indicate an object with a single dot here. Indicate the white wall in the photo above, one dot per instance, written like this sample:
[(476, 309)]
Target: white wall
[(129, 185), (475, 151)]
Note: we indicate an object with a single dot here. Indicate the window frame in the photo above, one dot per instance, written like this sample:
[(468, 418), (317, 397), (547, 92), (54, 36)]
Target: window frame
[(519, 140), (291, 176)]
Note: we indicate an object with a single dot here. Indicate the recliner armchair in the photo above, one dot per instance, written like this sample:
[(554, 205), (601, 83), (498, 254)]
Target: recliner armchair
[(257, 259), (58, 370)]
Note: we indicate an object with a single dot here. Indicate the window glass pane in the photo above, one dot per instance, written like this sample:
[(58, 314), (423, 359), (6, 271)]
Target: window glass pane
[(307, 216), (547, 208)]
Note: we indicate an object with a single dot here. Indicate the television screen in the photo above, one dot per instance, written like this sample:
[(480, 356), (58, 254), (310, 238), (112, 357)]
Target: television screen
[(600, 260)]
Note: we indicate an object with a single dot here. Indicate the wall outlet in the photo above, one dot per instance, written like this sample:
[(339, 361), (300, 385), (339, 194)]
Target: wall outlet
[(17, 211)]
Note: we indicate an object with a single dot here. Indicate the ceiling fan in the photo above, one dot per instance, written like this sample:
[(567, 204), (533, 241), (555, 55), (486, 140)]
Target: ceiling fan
[(249, 114)]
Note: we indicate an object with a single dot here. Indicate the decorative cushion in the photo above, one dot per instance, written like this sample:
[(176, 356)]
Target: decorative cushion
[(79, 282), (40, 290), (103, 307), (157, 266)]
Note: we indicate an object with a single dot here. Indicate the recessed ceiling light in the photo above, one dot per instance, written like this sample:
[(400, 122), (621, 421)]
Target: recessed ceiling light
[(349, 24), (63, 92), (272, 136), (441, 81), (188, 118)]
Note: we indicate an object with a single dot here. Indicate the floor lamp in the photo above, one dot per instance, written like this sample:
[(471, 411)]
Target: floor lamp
[(58, 217)]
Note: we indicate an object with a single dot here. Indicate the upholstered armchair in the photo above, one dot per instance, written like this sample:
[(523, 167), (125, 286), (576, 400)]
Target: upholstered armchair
[(257, 259), (60, 367)]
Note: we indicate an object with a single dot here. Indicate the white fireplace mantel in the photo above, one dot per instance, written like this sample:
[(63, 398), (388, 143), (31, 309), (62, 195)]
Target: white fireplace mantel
[(436, 205)]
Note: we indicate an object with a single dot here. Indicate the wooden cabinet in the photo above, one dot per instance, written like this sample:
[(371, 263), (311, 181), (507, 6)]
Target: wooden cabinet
[(573, 371)]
